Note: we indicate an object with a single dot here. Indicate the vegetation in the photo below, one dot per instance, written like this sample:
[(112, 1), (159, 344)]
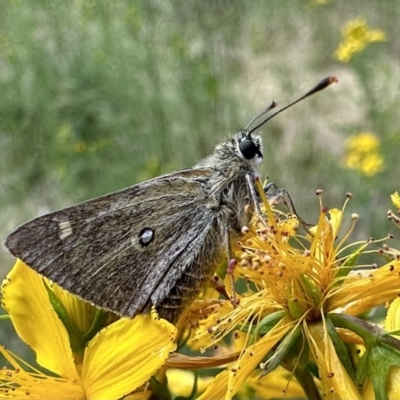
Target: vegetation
[(97, 96)]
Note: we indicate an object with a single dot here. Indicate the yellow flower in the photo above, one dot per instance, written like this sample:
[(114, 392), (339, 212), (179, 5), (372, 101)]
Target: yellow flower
[(395, 197), (363, 154), (356, 36), (119, 359), (295, 291)]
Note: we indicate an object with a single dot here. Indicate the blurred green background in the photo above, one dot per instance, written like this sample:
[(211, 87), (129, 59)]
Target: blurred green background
[(99, 95)]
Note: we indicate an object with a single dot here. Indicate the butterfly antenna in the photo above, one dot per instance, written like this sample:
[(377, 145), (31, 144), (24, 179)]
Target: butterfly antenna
[(321, 86), (269, 108)]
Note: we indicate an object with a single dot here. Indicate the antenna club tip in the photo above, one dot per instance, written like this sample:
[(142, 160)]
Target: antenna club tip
[(323, 85)]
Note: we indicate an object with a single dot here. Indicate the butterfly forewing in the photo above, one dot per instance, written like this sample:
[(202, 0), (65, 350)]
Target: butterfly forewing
[(117, 239)]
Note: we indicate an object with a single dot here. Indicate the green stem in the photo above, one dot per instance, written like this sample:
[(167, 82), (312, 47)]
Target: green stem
[(369, 333), (356, 325), (306, 381)]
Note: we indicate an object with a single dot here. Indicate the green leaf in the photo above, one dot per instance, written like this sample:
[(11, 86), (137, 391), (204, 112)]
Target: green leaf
[(267, 323), (290, 344), (97, 324), (346, 267), (362, 369), (380, 359), (382, 352), (160, 390), (394, 333), (311, 290), (76, 338)]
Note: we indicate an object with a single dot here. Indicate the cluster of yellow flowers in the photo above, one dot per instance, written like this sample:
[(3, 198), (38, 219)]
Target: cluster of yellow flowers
[(363, 154), (356, 36), (295, 313)]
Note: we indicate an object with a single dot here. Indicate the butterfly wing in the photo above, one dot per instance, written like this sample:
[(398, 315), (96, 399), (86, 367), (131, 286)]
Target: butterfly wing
[(130, 249)]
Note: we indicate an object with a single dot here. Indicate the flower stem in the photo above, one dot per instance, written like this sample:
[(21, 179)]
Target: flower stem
[(306, 381)]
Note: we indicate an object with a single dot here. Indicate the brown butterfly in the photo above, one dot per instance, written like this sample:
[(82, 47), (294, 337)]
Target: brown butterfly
[(157, 242)]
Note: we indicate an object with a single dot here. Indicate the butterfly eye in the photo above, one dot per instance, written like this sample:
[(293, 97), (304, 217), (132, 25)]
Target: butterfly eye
[(248, 149)]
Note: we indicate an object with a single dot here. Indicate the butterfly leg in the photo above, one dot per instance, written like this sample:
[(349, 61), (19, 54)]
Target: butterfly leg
[(254, 197), (278, 195), (232, 262)]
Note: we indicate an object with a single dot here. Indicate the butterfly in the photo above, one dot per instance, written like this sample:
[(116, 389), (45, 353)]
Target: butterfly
[(156, 243)]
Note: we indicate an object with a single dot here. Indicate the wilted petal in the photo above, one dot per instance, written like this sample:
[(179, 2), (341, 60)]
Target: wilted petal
[(335, 381)]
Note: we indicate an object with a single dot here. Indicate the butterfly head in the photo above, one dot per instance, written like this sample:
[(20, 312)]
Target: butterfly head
[(249, 147)]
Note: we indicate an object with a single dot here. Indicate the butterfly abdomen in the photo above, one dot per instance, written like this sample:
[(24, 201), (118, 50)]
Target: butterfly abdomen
[(199, 265)]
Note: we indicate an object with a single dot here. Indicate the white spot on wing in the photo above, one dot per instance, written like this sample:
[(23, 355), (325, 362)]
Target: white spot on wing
[(64, 229), (146, 236)]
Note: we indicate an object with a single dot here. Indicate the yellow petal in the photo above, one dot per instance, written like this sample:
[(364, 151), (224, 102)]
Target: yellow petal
[(392, 321), (336, 217), (394, 383), (378, 286), (368, 391), (335, 381), (367, 303), (36, 323), (228, 382), (123, 356)]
